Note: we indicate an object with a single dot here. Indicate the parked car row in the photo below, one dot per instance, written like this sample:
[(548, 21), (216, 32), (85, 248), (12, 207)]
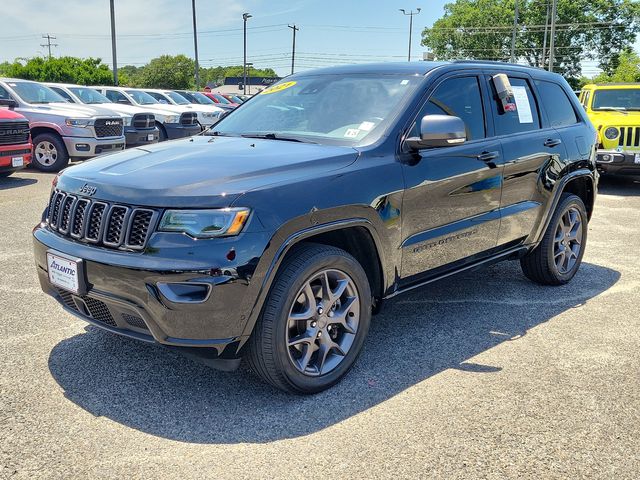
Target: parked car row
[(75, 122)]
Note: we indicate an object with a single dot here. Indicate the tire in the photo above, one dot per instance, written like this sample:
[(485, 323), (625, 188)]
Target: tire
[(49, 153), (276, 352), (162, 135), (549, 263)]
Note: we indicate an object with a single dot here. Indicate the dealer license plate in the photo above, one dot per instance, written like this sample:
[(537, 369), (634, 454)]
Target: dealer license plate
[(63, 272), (636, 158), (17, 161)]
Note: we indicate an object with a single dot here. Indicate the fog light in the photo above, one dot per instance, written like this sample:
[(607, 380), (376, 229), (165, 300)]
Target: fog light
[(606, 158), (82, 147)]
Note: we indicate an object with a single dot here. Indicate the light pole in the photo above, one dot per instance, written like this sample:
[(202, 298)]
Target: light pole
[(513, 36), (411, 14), (245, 17), (195, 43), (113, 44), (552, 40), (293, 51)]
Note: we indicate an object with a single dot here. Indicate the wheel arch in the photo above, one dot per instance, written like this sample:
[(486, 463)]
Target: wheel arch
[(582, 186)]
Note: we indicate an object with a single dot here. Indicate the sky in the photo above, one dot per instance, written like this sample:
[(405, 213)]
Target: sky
[(331, 31)]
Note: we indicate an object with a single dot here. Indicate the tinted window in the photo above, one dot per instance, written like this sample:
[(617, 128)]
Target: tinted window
[(116, 96), (62, 93), (524, 118), (459, 97), (556, 104), (617, 99)]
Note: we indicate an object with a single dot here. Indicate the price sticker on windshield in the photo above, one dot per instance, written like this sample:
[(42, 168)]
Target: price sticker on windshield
[(278, 88)]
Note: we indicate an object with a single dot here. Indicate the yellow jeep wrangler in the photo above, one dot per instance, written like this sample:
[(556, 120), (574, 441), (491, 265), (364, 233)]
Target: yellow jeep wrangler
[(614, 109)]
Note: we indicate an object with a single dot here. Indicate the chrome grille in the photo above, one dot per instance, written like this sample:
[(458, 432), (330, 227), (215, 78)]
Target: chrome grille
[(629, 137), (101, 223)]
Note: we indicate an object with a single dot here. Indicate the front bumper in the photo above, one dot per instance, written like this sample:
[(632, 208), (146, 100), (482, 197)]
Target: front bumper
[(618, 163), (87, 147), (177, 130), (10, 155), (153, 296), (138, 137)]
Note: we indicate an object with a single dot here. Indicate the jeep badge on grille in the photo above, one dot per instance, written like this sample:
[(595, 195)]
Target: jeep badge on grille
[(87, 189)]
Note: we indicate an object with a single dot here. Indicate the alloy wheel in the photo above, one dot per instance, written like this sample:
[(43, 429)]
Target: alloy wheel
[(568, 240), (323, 322), (46, 153)]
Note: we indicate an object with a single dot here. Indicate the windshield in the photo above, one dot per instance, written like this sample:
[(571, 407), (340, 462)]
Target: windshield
[(221, 99), (618, 99), (89, 95), (177, 98), (142, 98), (333, 109), (36, 93), (202, 99)]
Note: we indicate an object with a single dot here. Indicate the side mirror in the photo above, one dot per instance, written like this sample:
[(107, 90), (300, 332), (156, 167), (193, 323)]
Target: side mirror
[(124, 101), (8, 102), (439, 131)]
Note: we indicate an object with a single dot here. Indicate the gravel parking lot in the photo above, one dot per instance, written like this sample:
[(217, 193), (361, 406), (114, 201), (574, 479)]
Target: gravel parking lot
[(483, 376)]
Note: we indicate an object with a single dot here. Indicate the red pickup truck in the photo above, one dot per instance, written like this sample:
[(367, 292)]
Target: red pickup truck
[(15, 142)]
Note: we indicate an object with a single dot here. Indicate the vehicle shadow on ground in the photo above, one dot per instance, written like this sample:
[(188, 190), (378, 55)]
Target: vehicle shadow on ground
[(15, 181), (624, 186), (417, 336)]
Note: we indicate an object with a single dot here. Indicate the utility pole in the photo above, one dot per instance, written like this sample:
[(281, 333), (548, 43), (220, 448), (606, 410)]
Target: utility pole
[(411, 14), (49, 44), (552, 40), (293, 51), (195, 43), (113, 44), (513, 36), (544, 41), (245, 17)]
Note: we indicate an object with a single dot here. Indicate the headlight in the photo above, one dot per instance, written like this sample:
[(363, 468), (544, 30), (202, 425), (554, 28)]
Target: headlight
[(611, 133), (205, 223), (127, 121), (78, 122), (172, 119)]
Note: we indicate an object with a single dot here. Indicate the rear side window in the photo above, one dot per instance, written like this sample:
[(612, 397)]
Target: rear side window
[(62, 93), (460, 97), (557, 105), (525, 118), (115, 96)]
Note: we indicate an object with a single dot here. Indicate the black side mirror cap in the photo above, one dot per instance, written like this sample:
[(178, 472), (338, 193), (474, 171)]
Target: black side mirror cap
[(8, 102), (439, 131)]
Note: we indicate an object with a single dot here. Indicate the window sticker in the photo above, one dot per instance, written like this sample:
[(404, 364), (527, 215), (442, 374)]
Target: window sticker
[(366, 126), (351, 133), (404, 82), (522, 103), (277, 88)]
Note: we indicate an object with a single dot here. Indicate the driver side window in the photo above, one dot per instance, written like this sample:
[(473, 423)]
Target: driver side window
[(460, 97)]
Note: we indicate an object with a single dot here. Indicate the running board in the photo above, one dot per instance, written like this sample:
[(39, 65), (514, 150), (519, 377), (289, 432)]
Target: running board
[(516, 252)]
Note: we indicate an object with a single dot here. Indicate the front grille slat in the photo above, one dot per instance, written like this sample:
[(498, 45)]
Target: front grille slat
[(100, 223), (143, 121), (189, 118), (14, 133), (629, 137)]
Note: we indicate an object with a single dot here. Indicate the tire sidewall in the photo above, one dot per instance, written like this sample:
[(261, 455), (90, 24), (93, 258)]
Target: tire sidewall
[(63, 157), (317, 263), (568, 202)]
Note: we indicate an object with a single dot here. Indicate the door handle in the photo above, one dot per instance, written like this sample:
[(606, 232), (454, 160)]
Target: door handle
[(488, 156), (552, 142)]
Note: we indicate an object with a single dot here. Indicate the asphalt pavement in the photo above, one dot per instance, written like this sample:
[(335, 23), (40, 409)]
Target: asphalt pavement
[(484, 375)]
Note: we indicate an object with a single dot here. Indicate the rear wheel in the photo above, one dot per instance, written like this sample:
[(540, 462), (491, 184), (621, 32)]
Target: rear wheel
[(314, 321), (557, 258), (49, 153)]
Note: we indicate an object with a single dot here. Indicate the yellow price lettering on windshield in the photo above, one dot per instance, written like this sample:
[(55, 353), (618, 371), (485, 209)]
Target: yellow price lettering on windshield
[(277, 88)]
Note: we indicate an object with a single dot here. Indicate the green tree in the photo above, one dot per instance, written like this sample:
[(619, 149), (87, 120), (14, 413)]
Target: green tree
[(586, 30), (88, 71), (129, 75), (166, 71), (627, 70)]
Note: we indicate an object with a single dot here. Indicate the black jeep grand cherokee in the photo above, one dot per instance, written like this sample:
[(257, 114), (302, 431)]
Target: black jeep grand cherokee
[(278, 234)]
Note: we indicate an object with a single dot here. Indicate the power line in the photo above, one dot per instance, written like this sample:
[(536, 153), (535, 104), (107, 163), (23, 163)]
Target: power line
[(49, 44)]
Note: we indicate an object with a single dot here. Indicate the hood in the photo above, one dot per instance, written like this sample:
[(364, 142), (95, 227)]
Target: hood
[(66, 110), (614, 119), (202, 171), (120, 108), (6, 114), (168, 108)]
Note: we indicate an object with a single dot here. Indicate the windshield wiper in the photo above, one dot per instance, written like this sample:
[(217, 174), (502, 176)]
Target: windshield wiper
[(273, 136), (614, 109)]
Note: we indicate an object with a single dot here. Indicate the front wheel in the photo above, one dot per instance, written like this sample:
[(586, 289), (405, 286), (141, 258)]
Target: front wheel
[(557, 258), (314, 321), (49, 153)]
